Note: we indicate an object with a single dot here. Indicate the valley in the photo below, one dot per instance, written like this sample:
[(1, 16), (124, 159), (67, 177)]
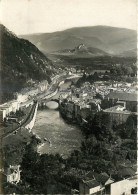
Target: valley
[(91, 73)]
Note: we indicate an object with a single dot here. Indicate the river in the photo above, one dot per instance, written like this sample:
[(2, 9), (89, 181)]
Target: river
[(61, 137)]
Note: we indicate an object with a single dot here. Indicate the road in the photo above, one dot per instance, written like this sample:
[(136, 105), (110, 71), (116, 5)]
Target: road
[(52, 88), (14, 127), (18, 127)]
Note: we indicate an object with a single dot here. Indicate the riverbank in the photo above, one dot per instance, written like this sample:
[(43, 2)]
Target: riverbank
[(63, 138), (13, 144), (31, 123), (70, 117)]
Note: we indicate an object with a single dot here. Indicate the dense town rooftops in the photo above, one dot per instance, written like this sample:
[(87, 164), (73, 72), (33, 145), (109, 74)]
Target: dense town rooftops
[(122, 96)]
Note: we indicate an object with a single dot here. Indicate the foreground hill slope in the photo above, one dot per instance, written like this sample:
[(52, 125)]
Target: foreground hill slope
[(109, 39), (20, 61)]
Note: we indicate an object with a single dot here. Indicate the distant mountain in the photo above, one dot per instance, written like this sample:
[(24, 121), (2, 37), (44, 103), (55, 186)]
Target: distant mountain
[(129, 53), (81, 51), (109, 39), (20, 61)]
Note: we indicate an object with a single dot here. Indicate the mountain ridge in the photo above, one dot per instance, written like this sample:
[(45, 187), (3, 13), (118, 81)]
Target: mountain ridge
[(112, 40), (20, 61), (40, 33)]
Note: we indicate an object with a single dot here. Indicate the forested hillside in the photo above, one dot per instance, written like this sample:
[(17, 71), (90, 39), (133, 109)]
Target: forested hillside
[(20, 61)]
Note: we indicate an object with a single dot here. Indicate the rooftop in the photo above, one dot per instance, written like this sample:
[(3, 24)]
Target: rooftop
[(101, 178), (117, 109), (12, 169), (126, 172), (122, 96), (92, 183)]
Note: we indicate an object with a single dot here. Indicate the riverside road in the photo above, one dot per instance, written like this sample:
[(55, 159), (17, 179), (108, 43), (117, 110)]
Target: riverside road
[(52, 88)]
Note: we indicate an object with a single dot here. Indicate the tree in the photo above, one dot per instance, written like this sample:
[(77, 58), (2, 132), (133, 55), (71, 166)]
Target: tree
[(29, 158), (130, 124), (99, 96)]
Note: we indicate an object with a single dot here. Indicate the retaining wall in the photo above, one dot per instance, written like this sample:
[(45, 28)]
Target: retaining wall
[(30, 125)]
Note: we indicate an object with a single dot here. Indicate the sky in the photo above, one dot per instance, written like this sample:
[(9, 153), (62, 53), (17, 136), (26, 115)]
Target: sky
[(40, 16)]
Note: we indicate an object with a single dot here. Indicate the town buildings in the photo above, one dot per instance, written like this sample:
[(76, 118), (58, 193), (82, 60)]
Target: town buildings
[(23, 98), (118, 114), (95, 183), (13, 174), (128, 100), (7, 108), (103, 184), (78, 109), (125, 186), (82, 103)]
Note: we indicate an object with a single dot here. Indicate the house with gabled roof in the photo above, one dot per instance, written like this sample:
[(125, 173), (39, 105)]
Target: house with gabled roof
[(125, 172), (13, 174), (118, 114), (95, 183), (125, 187), (89, 187)]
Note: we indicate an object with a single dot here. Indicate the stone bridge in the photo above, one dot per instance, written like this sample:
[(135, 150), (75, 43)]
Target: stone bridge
[(55, 100), (43, 103)]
